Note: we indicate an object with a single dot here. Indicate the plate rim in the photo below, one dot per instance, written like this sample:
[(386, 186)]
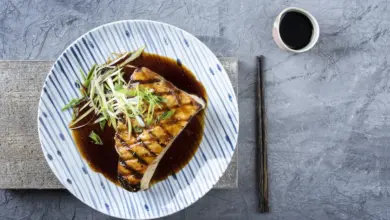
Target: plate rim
[(234, 96)]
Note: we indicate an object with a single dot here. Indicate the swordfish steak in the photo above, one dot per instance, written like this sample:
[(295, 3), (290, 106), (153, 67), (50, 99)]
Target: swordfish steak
[(140, 152)]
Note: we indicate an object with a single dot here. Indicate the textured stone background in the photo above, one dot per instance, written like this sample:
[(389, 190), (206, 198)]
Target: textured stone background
[(329, 129)]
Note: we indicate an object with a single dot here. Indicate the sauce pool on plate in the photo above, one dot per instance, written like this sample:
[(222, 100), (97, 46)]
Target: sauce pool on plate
[(104, 158)]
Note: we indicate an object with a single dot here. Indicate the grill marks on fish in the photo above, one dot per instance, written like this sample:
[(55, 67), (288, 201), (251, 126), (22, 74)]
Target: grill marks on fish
[(148, 81), (140, 153)]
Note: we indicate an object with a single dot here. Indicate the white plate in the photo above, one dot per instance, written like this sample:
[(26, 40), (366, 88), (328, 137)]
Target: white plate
[(178, 191)]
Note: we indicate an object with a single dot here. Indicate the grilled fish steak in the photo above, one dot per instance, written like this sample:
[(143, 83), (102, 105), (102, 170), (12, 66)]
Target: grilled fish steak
[(140, 153)]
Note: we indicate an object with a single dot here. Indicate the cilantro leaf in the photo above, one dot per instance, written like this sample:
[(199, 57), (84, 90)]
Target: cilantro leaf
[(95, 138), (72, 103), (167, 114)]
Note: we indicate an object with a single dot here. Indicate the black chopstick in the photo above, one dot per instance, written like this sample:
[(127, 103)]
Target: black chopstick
[(261, 142)]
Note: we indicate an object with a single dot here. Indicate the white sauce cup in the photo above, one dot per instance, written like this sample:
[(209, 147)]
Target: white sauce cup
[(276, 33)]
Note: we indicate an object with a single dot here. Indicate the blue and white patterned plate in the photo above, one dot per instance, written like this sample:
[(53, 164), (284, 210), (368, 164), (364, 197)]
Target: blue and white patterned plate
[(178, 191)]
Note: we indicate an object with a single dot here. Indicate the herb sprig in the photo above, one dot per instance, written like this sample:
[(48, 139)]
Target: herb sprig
[(95, 138), (107, 95), (166, 115)]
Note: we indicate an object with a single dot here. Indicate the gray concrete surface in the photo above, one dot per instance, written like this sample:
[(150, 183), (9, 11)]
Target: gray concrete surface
[(329, 130)]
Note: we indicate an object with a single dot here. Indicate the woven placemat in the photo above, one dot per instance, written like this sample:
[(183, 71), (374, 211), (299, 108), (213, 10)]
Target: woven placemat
[(22, 165)]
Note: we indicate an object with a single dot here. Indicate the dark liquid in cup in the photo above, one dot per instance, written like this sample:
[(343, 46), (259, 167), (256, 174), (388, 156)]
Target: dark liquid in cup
[(295, 30)]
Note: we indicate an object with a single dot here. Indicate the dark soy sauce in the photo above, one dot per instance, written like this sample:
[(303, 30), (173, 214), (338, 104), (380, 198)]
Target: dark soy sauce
[(104, 159), (296, 30)]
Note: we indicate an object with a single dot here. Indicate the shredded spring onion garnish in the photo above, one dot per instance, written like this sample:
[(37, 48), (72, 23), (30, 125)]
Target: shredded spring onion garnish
[(111, 98)]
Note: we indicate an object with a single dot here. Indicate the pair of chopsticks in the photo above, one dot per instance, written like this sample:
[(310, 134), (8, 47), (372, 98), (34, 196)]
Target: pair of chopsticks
[(262, 172)]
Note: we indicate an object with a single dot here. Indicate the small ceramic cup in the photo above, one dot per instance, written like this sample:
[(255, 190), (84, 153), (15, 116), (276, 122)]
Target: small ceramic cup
[(276, 34)]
